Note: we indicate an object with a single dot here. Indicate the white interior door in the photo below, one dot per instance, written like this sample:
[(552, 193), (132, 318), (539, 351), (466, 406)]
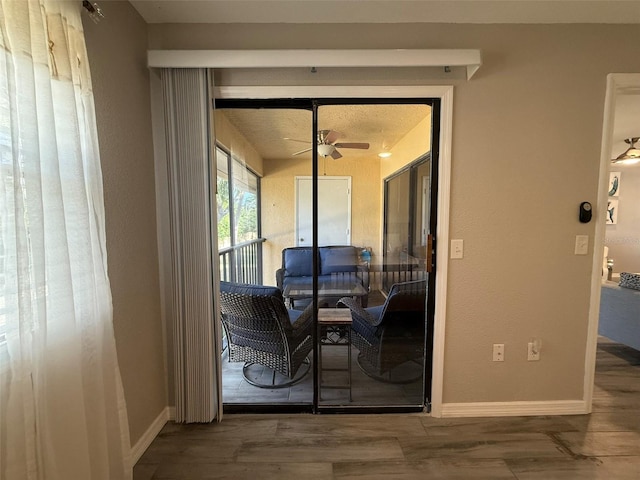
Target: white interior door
[(334, 211)]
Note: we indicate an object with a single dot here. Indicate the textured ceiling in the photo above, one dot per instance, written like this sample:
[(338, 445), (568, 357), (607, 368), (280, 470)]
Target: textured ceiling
[(382, 126)]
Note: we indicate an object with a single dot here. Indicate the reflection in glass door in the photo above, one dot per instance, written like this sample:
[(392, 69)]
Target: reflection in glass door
[(396, 227), (406, 226)]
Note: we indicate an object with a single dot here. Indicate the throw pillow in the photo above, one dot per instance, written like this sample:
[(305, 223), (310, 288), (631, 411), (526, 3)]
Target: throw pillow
[(298, 262), (630, 280), (338, 259)]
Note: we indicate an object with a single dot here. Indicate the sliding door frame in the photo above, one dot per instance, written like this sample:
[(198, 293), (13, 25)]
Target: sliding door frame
[(442, 143)]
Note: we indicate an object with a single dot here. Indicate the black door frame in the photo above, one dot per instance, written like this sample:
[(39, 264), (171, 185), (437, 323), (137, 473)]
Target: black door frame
[(313, 104)]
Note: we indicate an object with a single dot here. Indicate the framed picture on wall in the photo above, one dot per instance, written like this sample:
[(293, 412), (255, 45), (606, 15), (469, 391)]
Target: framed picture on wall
[(614, 184), (612, 211)]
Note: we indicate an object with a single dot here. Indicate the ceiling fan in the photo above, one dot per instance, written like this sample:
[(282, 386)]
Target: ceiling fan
[(327, 146)]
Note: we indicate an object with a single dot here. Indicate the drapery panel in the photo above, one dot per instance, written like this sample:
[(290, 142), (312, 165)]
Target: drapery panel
[(188, 134), (62, 409)]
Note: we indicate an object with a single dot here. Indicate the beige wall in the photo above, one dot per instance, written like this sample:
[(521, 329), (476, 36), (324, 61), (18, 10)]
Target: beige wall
[(117, 54), (278, 204), (525, 153), (416, 143), (229, 136)]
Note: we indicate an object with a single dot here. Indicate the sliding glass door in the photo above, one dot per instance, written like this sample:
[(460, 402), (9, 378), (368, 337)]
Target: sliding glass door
[(343, 190), (269, 344), (388, 323)]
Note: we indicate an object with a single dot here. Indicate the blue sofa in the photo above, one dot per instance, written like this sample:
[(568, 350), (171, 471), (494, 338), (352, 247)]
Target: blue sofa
[(620, 314), (333, 261)]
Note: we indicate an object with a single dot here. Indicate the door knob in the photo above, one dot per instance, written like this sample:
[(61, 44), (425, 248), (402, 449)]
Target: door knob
[(302, 239)]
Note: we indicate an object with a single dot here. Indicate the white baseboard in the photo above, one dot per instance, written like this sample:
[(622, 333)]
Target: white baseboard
[(172, 414), (152, 432), (505, 409)]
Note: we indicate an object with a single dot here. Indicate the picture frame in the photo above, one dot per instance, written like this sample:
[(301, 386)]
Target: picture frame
[(614, 184), (612, 211)]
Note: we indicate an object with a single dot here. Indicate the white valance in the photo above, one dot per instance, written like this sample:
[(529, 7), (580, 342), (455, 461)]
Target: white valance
[(467, 58)]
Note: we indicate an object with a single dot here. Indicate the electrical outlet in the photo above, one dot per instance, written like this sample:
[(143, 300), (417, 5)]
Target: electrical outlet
[(498, 352)]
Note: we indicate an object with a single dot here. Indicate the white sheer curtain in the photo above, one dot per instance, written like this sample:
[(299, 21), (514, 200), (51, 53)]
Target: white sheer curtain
[(62, 411)]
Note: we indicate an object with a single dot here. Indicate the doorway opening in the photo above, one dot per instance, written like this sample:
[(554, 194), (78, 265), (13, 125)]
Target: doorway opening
[(282, 142)]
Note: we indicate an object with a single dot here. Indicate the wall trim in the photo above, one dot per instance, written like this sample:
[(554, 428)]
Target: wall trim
[(617, 83), (340, 91), (150, 434), (442, 251), (509, 409)]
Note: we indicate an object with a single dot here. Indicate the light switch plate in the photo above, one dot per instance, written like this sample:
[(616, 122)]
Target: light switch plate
[(582, 245), (533, 353), (457, 248)]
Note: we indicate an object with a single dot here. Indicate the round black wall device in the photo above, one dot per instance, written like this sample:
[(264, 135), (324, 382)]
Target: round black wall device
[(585, 212)]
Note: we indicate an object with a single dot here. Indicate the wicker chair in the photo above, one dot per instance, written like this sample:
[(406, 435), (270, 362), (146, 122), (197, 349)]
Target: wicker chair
[(260, 330), (390, 337)]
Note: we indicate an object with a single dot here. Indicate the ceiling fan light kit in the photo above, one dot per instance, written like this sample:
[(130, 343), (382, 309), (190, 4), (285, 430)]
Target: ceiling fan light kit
[(325, 150), (631, 155)]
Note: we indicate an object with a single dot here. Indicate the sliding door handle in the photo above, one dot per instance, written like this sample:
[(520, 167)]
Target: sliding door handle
[(430, 253)]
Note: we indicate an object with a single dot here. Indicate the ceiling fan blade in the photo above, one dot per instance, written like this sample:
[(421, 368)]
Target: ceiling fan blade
[(363, 146), (296, 140), (303, 151), (335, 154), (331, 137)]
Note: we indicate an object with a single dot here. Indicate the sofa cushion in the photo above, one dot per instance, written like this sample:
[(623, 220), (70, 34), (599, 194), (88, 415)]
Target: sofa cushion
[(324, 281), (338, 259), (630, 280), (298, 262), (303, 281)]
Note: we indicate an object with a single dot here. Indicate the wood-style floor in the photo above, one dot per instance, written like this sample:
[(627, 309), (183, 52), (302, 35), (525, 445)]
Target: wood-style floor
[(602, 445)]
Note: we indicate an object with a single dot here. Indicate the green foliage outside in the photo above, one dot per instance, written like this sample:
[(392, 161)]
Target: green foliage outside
[(245, 210)]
